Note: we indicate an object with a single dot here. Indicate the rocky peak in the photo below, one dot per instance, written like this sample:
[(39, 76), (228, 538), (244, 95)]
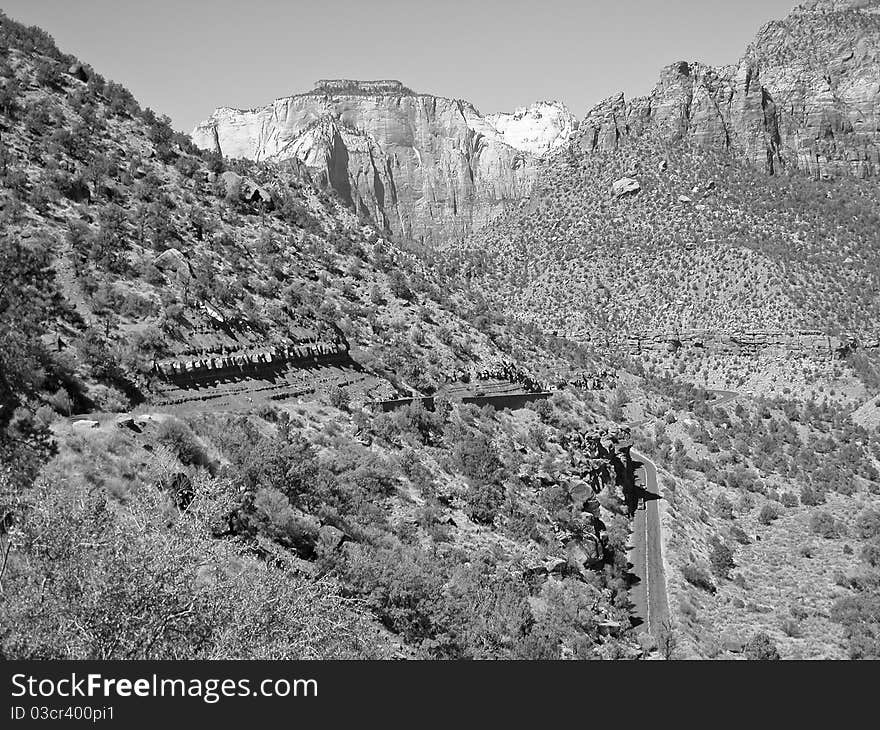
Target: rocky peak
[(420, 166), (537, 129), (352, 87), (805, 95), (838, 6)]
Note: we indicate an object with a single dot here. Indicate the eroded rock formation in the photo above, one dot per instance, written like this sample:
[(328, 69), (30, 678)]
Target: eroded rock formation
[(805, 95), (421, 166)]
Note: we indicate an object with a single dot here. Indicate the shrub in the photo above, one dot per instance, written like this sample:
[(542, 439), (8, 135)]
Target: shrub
[(868, 523), (870, 553), (769, 512), (738, 534), (761, 648), (807, 550), (824, 525), (858, 616), (811, 496), (61, 401), (141, 587), (698, 577), (339, 398), (180, 438), (721, 558), (723, 507), (483, 501)]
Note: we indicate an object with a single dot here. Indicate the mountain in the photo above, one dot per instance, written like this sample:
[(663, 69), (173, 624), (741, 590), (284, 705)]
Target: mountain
[(658, 223), (188, 463), (804, 96), (422, 167)]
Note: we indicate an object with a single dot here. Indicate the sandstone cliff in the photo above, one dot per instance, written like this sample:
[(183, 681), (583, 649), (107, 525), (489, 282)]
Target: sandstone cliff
[(806, 95), (422, 167)]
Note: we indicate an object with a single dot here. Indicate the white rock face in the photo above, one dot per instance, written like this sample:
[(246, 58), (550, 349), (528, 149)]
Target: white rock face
[(423, 167), (536, 129)]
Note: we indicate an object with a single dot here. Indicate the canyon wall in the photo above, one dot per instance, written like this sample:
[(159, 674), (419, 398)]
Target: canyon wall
[(422, 167), (805, 95)]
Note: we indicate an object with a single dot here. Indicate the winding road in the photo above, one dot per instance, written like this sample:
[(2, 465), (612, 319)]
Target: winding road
[(648, 593)]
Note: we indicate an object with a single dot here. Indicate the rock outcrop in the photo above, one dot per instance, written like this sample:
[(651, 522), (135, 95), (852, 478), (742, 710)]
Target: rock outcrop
[(422, 167), (805, 95)]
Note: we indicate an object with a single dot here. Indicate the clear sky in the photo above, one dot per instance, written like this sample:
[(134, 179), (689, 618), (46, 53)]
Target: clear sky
[(183, 58)]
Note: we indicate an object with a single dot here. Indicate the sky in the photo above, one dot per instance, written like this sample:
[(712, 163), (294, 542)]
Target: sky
[(184, 58)]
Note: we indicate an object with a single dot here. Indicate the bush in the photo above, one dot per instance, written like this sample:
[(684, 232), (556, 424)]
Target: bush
[(179, 437), (870, 553), (721, 558), (339, 398), (483, 501), (61, 401), (868, 523), (109, 399), (698, 577), (789, 499), (761, 648), (738, 534), (769, 512), (723, 507), (824, 525), (88, 581), (811, 496)]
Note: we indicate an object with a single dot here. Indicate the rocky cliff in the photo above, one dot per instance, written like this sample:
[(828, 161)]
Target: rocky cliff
[(805, 95), (422, 167)]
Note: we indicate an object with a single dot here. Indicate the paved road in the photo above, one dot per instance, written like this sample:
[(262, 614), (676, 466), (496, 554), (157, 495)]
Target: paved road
[(648, 595)]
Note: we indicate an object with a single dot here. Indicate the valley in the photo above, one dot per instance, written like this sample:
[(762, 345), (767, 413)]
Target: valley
[(367, 373)]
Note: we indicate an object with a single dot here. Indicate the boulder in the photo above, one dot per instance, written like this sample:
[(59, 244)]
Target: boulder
[(583, 554), (231, 182), (625, 186), (85, 423), (555, 565), (78, 72), (330, 537), (173, 260), (170, 259), (250, 192), (126, 421)]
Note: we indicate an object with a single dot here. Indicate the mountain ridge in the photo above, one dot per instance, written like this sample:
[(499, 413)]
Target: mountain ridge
[(434, 168)]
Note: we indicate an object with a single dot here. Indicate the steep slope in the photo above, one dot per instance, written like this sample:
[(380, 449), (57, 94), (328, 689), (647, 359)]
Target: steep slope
[(422, 167), (704, 243), (805, 95), (206, 279), (186, 345)]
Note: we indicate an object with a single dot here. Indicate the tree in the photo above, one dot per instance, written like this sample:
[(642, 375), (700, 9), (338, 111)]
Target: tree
[(668, 639), (721, 558), (28, 299)]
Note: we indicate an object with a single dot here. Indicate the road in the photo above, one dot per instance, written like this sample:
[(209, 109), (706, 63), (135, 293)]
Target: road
[(648, 595), (646, 554)]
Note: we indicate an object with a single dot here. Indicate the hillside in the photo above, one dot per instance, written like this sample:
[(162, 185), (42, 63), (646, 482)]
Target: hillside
[(188, 347), (706, 242), (770, 526)]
